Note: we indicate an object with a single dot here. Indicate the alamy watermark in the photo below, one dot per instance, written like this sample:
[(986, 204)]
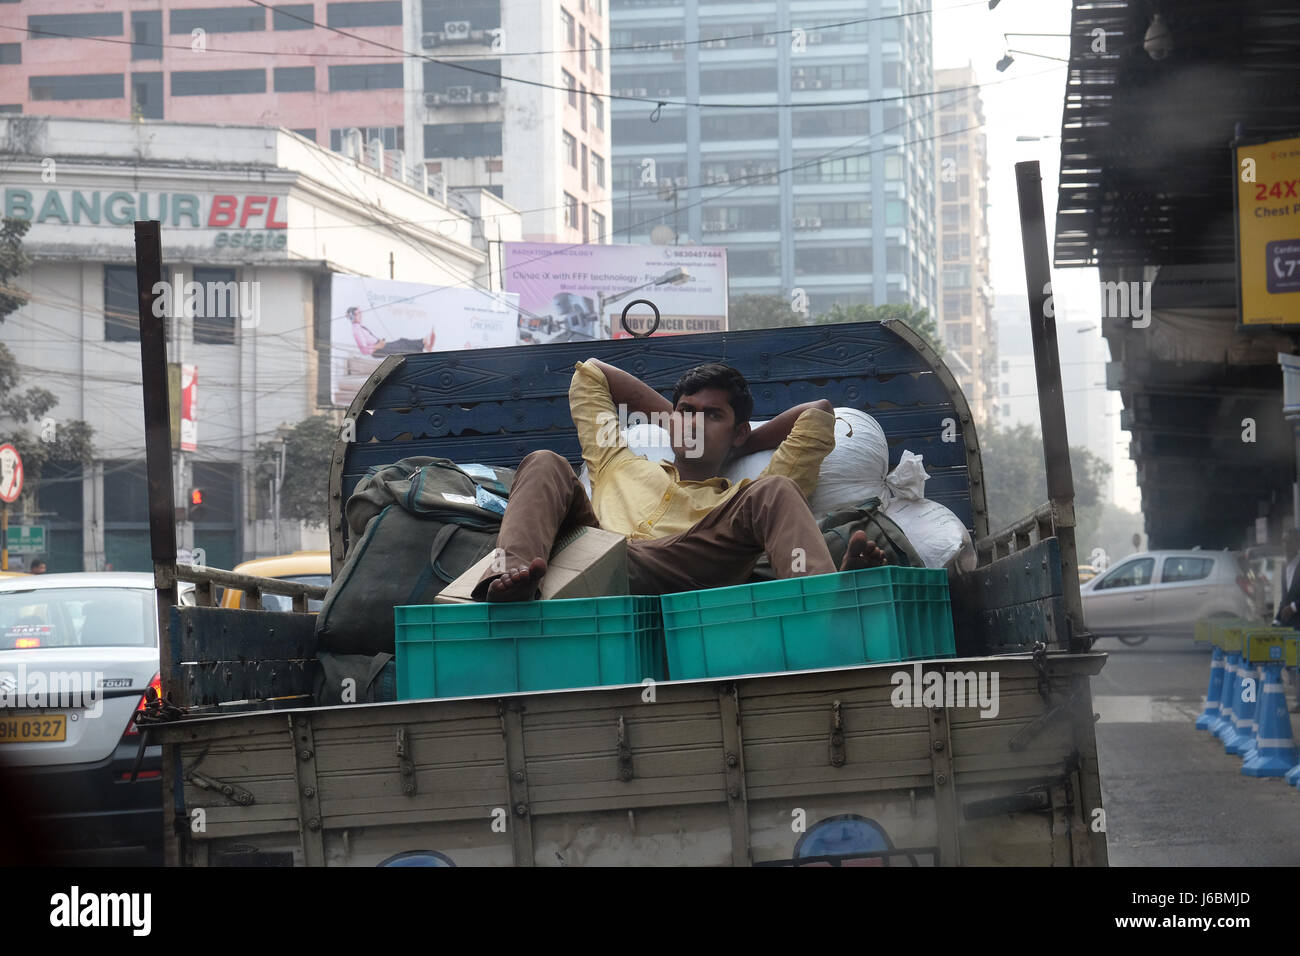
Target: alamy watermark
[(208, 300), (684, 430), (956, 689), (63, 690)]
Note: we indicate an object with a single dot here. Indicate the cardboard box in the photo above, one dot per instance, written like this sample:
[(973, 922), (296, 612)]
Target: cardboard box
[(587, 562)]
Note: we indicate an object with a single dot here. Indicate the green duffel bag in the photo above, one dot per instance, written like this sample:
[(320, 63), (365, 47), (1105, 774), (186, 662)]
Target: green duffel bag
[(416, 525)]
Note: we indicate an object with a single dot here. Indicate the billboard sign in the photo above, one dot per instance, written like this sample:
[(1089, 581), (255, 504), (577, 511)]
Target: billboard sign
[(371, 319), (1268, 232), (571, 293)]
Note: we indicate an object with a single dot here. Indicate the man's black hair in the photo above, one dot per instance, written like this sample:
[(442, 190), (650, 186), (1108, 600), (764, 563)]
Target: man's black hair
[(716, 375)]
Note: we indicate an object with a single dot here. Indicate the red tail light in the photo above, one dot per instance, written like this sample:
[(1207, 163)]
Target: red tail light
[(156, 685), (22, 642), (1247, 585)]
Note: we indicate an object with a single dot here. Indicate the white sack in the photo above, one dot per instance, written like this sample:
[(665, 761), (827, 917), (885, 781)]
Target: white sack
[(937, 534), (645, 439)]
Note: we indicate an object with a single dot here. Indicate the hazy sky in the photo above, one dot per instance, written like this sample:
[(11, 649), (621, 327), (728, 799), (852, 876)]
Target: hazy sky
[(1027, 100)]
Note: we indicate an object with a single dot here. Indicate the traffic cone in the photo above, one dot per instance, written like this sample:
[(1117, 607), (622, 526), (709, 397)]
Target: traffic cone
[(1243, 710), (1214, 692), (1275, 752), (1224, 724)]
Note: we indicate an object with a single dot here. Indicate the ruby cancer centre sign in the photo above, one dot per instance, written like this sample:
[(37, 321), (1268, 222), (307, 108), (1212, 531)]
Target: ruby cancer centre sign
[(249, 221)]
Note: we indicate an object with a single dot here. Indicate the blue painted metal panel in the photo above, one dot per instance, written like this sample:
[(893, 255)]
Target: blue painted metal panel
[(494, 406)]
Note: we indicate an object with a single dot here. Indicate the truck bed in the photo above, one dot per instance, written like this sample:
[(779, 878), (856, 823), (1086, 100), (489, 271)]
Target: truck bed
[(817, 767)]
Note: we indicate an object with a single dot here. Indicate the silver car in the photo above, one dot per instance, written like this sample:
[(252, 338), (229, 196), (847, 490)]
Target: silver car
[(77, 653), (1166, 592)]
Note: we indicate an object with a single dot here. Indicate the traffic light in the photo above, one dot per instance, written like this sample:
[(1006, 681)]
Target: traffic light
[(195, 503)]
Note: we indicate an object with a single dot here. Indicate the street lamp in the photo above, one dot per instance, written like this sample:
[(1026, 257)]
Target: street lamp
[(671, 277)]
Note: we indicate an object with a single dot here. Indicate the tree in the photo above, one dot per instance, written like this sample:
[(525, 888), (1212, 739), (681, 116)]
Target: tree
[(918, 320), (1015, 481), (761, 312), (52, 440), (308, 446)]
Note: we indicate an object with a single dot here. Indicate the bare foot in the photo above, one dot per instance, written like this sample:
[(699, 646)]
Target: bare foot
[(862, 553), (519, 584)]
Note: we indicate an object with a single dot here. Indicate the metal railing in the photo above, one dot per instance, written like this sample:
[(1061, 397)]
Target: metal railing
[(253, 587)]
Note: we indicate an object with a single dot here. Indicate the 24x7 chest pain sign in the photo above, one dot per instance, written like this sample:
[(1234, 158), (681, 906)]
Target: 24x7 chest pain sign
[(1268, 232)]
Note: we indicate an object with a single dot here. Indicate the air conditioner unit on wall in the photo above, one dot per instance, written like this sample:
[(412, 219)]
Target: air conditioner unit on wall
[(681, 180), (489, 96), (799, 223), (460, 94), (815, 223), (769, 41), (433, 99), (456, 30), (428, 40)]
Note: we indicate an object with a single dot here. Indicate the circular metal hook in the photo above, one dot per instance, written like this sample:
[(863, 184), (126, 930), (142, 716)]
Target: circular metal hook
[(639, 335)]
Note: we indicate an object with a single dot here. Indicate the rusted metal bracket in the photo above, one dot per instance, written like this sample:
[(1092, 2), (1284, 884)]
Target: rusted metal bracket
[(312, 828), (625, 771), (945, 790), (734, 769), (837, 735), (236, 795), (520, 827), (405, 766)]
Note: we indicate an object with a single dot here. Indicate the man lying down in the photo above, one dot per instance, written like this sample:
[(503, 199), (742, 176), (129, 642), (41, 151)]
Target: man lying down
[(687, 528)]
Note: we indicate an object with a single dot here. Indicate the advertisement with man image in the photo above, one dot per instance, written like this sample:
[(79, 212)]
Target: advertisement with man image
[(371, 319), (574, 293)]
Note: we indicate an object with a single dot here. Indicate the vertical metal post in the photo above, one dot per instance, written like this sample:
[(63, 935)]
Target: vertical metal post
[(4, 539), (158, 466), (1051, 400)]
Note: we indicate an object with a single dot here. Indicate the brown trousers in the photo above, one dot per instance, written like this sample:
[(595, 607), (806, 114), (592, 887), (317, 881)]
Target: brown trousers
[(769, 515)]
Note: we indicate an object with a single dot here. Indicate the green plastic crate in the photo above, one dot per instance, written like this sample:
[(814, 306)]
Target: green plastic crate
[(460, 650), (826, 620)]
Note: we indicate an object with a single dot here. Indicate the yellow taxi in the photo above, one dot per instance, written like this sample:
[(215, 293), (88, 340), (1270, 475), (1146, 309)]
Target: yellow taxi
[(1086, 573), (305, 567)]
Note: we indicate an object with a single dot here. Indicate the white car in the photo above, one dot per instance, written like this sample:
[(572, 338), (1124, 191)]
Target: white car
[(1165, 593), (77, 653)]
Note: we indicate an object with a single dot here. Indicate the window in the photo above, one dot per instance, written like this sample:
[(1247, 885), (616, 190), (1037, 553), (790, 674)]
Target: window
[(366, 76), (292, 16), (847, 169), (455, 140), (439, 76), (121, 306), (486, 16), (1130, 574), (387, 13), (87, 86), (598, 168), (241, 19), (639, 129), (217, 82), (146, 35), (392, 137), (147, 95), (598, 226), (295, 79), (598, 55), (11, 54), (735, 126), (641, 83), (833, 214), (739, 80), (832, 122), (570, 149), (570, 35), (582, 47), (570, 211), (894, 212), (11, 107), (598, 110), (569, 83), (586, 224), (833, 260), (59, 25), (306, 133), (1186, 569), (221, 300), (586, 165), (754, 262)]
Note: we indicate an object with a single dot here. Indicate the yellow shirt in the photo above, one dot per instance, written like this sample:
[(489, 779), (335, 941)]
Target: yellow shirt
[(643, 499)]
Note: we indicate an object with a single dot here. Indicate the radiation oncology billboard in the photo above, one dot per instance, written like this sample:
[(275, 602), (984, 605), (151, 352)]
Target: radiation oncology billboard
[(565, 291), (371, 319), (1268, 232)]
